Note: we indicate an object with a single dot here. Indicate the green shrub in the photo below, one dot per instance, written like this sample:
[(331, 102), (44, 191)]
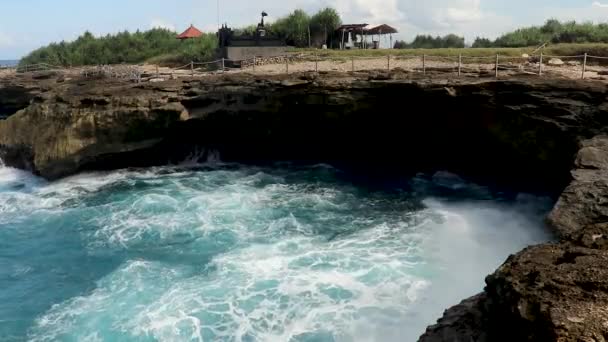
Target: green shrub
[(430, 42), (124, 47)]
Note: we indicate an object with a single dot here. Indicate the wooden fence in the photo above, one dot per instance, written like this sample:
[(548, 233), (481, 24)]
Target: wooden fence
[(457, 65)]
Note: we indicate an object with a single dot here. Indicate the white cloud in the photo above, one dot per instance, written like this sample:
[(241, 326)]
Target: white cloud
[(160, 23), (599, 4), (596, 12)]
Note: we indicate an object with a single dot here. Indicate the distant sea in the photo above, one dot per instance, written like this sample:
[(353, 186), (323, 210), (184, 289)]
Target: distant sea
[(8, 62)]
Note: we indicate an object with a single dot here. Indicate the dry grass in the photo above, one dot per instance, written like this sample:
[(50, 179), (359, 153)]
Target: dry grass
[(557, 49)]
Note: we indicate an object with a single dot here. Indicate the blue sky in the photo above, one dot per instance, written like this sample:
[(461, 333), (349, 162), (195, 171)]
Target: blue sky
[(27, 24)]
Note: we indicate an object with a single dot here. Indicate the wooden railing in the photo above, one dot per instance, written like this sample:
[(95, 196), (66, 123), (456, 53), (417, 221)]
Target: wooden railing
[(459, 65)]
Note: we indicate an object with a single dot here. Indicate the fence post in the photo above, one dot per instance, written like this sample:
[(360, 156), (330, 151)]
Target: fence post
[(254, 61), (316, 63), (584, 66), (424, 64), (459, 64), (223, 64), (388, 62), (353, 62), (496, 74), (286, 65), (25, 68), (192, 68), (157, 72), (540, 65)]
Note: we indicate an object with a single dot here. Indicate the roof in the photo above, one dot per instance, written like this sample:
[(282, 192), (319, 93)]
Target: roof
[(352, 27), (191, 32), (382, 29)]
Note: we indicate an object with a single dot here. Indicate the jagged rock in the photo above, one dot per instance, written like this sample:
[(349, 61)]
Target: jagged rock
[(64, 133), (555, 62), (585, 201), (573, 63), (553, 292), (83, 123), (465, 322)]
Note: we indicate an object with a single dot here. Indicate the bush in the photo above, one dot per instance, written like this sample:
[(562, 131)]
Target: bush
[(124, 47), (554, 31), (482, 43), (430, 42), (293, 28)]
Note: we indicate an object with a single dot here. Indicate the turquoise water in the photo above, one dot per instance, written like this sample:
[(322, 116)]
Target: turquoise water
[(236, 253)]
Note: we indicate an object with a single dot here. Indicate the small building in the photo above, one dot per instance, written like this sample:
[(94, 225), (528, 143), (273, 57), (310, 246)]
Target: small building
[(355, 35), (379, 31), (261, 43), (191, 33), (347, 34)]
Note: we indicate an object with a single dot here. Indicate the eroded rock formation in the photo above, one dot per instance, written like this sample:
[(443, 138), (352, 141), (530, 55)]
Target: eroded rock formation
[(552, 292), (528, 131)]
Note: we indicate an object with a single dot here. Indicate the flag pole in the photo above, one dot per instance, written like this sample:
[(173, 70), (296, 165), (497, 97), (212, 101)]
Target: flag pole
[(218, 15)]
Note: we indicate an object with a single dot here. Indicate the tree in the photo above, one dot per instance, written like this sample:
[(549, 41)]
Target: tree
[(482, 43), (326, 21), (552, 26), (124, 47), (294, 28), (401, 44), (452, 41)]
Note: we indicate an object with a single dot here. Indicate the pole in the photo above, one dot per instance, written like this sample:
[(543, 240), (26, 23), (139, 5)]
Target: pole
[(157, 72), (309, 41), (424, 64), (287, 65), (223, 64), (584, 66), (316, 63), (192, 68), (496, 66), (540, 65), (353, 62), (459, 64), (388, 62), (254, 61)]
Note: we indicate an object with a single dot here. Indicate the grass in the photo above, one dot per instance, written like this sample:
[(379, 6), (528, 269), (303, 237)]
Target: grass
[(595, 49)]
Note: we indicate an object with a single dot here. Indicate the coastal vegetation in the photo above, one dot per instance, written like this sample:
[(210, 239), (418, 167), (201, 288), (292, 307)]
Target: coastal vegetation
[(125, 47), (299, 28), (160, 46), (430, 42), (553, 31), (598, 49)]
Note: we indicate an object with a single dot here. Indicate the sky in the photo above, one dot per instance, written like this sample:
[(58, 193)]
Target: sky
[(28, 24)]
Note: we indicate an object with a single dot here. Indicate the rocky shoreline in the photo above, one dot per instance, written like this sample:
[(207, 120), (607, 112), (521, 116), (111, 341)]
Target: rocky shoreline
[(529, 133)]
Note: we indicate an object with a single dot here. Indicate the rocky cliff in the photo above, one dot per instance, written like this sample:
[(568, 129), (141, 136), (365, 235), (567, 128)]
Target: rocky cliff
[(524, 132), (552, 292)]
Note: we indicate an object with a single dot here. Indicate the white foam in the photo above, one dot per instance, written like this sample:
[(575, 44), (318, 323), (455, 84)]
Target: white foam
[(288, 259)]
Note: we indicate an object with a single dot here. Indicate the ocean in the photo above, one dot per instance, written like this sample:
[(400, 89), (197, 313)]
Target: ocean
[(8, 63), (228, 252)]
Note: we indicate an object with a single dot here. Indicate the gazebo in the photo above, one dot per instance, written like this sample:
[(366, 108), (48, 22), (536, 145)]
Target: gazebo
[(382, 30), (190, 33), (351, 29)]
